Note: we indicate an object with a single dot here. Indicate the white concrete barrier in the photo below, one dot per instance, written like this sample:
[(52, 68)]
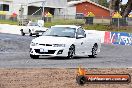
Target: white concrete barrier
[(99, 34), (11, 29)]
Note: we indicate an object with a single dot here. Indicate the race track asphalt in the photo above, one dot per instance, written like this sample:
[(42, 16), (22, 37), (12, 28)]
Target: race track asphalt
[(14, 53)]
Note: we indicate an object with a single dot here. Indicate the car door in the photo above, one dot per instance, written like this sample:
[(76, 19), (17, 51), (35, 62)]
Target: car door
[(81, 42)]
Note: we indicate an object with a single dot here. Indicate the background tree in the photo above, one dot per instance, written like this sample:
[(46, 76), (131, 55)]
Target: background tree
[(103, 3), (123, 7), (126, 9), (114, 5)]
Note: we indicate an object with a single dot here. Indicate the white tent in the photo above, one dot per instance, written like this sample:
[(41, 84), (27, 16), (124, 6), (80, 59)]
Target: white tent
[(48, 3), (38, 3)]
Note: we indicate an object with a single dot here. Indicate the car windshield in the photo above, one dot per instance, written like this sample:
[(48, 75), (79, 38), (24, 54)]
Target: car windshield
[(60, 32), (32, 24)]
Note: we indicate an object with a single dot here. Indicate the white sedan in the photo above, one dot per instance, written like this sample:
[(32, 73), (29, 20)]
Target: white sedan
[(65, 40), (33, 29)]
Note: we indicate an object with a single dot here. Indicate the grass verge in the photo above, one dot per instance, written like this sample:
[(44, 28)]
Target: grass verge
[(8, 22), (99, 27)]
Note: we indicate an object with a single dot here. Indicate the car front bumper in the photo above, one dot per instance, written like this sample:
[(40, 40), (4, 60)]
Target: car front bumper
[(38, 33), (48, 51)]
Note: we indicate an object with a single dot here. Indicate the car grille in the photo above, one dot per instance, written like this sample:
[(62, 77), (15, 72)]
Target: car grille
[(39, 31), (49, 51), (46, 44)]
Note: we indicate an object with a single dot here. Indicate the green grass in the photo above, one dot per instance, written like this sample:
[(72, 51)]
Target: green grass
[(8, 22), (64, 22), (99, 27), (108, 28)]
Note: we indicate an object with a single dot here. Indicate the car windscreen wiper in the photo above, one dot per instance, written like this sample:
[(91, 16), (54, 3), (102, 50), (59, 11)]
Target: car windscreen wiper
[(51, 35), (68, 36)]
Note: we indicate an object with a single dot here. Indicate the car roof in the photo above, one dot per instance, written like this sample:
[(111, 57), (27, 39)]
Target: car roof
[(70, 26)]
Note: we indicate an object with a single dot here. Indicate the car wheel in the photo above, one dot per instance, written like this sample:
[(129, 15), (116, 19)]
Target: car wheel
[(30, 33), (71, 52), (37, 35), (94, 51), (34, 56), (81, 80), (22, 33)]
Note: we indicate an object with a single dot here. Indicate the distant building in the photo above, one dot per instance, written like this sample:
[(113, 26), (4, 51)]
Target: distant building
[(5, 7), (85, 6), (53, 6), (29, 7)]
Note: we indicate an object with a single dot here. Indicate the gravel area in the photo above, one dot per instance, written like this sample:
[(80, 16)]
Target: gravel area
[(54, 78)]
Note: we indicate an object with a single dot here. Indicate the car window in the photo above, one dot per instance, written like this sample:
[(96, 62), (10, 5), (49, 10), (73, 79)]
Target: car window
[(32, 24), (80, 31), (60, 32)]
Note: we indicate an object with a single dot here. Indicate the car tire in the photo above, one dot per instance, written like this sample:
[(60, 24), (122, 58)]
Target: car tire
[(94, 51), (71, 52), (30, 33), (81, 80), (34, 56), (37, 35), (22, 33)]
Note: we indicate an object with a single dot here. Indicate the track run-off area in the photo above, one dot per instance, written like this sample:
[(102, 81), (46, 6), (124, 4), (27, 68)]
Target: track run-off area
[(14, 53)]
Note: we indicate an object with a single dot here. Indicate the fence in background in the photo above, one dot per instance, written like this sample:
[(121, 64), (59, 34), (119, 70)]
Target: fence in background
[(73, 19)]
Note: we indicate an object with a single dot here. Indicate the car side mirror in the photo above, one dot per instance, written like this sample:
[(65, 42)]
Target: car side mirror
[(85, 35)]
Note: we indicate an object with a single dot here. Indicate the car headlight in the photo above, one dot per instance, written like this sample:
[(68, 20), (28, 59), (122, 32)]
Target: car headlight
[(33, 44), (58, 45)]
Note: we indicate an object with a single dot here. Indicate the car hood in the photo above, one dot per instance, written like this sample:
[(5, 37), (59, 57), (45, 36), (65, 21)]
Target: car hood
[(37, 28), (53, 40)]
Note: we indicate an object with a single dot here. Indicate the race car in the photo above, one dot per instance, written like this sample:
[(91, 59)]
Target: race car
[(33, 28), (65, 40)]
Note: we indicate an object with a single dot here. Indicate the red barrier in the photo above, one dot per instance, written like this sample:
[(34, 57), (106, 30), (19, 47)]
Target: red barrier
[(107, 37)]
